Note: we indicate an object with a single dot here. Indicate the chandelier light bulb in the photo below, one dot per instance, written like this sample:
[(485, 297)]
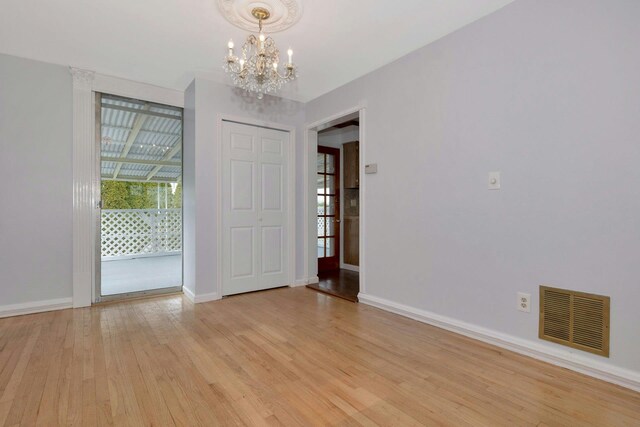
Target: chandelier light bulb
[(290, 53), (275, 65), (261, 37), (241, 64), (230, 56)]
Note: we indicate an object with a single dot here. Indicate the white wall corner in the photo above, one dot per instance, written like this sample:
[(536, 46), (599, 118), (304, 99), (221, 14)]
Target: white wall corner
[(620, 376), (35, 307), (188, 293), (197, 299), (84, 177)]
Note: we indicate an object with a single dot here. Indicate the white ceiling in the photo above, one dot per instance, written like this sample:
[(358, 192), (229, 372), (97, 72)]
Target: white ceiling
[(167, 42)]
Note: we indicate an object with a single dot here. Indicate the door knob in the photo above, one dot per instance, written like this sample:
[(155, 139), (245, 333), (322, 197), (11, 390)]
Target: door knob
[(337, 220)]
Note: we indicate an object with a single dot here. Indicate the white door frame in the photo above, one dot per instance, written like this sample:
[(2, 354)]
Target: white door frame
[(86, 188), (291, 191), (310, 154)]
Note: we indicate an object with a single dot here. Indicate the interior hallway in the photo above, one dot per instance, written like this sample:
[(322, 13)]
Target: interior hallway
[(287, 356)]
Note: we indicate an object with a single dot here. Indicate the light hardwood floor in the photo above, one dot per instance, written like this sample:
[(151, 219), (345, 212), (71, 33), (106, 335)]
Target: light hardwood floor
[(287, 356)]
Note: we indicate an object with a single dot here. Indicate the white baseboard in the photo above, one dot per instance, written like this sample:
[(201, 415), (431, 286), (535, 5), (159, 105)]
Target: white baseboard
[(212, 296), (313, 280), (299, 282), (575, 362), (350, 267), (197, 299), (35, 307)]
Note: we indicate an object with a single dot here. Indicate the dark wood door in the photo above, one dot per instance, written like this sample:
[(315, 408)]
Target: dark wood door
[(328, 196), (351, 164), (351, 240)]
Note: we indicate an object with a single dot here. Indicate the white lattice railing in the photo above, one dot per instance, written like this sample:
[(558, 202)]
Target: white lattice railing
[(128, 232)]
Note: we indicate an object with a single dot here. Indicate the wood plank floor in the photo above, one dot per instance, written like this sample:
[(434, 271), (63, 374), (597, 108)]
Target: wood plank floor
[(282, 357)]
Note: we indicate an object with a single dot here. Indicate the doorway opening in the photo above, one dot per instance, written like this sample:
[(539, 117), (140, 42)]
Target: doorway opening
[(139, 230), (337, 207)]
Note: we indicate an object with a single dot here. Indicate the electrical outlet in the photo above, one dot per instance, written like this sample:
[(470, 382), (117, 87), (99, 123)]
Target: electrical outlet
[(524, 302)]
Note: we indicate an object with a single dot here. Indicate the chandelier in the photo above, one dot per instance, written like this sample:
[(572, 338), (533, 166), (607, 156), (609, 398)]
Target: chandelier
[(256, 70)]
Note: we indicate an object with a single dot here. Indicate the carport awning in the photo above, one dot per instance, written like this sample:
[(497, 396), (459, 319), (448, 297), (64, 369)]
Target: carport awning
[(140, 141)]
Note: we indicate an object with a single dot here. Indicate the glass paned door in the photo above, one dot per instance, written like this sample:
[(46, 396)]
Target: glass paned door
[(328, 196)]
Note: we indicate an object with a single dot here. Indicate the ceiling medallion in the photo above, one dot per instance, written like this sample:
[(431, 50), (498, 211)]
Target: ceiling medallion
[(283, 13), (256, 69)]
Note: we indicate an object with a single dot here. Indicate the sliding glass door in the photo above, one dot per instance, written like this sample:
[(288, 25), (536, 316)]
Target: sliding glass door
[(140, 221)]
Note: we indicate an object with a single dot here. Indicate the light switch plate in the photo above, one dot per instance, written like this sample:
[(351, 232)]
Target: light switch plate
[(372, 168), (494, 180)]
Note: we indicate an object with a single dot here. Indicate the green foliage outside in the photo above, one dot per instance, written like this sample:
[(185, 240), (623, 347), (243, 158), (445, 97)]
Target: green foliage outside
[(140, 195)]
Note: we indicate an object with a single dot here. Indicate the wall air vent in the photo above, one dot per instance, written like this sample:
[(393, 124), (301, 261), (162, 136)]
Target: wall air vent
[(575, 319)]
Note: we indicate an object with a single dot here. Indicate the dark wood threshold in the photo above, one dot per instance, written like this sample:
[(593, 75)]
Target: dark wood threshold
[(317, 288), (338, 283)]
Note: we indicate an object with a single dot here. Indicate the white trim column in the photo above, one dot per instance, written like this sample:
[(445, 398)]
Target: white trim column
[(84, 201)]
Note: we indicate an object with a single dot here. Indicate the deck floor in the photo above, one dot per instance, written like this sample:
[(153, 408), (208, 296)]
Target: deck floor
[(140, 274)]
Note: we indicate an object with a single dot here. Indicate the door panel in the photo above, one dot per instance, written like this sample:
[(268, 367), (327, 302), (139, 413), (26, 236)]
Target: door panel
[(272, 187), (328, 196), (272, 250), (242, 249), (257, 202), (242, 194), (273, 146), (242, 141)]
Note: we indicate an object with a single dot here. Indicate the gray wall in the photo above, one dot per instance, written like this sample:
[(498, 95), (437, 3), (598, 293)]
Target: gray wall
[(200, 149), (546, 91), (36, 187)]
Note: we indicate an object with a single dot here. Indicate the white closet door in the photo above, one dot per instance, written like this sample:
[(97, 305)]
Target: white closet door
[(254, 221), (272, 217)]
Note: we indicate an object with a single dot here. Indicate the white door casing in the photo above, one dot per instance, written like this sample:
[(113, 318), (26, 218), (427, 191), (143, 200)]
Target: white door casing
[(254, 198)]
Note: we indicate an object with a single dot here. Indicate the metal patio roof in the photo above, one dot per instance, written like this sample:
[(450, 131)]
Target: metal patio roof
[(141, 141)]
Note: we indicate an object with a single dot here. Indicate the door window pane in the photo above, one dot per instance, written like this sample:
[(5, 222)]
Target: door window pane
[(320, 248), (321, 184), (330, 249), (331, 185), (330, 205), (321, 209), (321, 226), (320, 163), (331, 163), (329, 226)]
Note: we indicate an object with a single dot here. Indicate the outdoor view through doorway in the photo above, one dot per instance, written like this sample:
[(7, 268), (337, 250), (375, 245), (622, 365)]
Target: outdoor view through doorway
[(141, 198)]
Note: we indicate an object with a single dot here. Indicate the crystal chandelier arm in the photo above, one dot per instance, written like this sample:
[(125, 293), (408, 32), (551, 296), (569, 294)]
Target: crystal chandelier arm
[(287, 75)]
